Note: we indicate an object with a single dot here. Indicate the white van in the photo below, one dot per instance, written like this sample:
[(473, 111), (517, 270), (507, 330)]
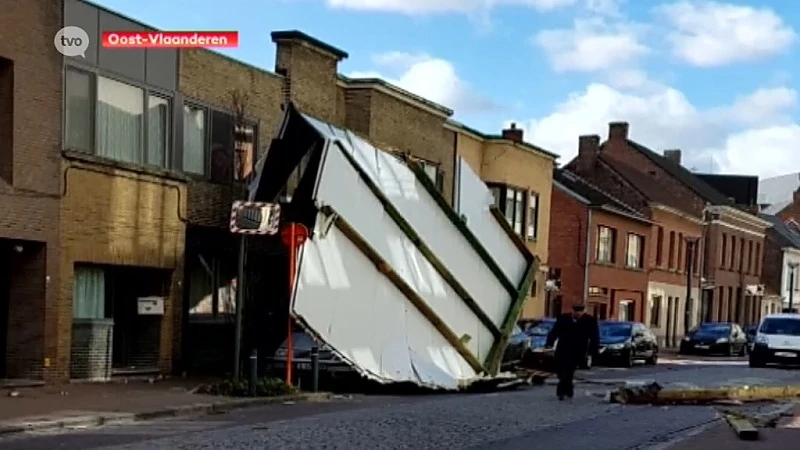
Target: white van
[(777, 341)]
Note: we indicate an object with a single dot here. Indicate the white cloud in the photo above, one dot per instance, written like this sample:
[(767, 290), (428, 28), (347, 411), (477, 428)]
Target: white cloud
[(426, 7), (592, 45), (708, 33), (752, 135), (432, 78)]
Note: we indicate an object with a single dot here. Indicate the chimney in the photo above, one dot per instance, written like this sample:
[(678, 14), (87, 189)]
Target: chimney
[(673, 156), (618, 131), (588, 151), (512, 133)]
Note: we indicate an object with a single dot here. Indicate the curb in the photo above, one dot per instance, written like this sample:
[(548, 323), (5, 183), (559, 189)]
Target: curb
[(193, 410)]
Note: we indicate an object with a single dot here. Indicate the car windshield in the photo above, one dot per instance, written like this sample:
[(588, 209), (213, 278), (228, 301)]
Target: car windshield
[(615, 329), (781, 325), (712, 328), (540, 329)]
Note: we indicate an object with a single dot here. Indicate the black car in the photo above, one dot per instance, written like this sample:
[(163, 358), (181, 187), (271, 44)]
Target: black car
[(519, 344), (537, 330), (625, 342), (722, 338)]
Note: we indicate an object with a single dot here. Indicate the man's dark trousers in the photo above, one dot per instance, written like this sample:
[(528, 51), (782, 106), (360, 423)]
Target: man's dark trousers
[(565, 371)]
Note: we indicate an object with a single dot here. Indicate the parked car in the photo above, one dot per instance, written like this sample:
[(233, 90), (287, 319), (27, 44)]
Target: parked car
[(331, 365), (777, 341), (623, 343), (538, 329), (715, 338), (519, 344), (302, 343), (750, 332)]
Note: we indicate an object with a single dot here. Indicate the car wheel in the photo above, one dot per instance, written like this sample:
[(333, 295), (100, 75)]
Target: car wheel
[(756, 363), (742, 351), (653, 360), (731, 350), (627, 359)]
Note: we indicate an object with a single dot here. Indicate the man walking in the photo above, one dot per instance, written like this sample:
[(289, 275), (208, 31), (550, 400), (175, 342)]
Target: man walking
[(578, 335)]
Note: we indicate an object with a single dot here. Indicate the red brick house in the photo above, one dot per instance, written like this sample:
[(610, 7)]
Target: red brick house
[(598, 250), (671, 309), (730, 250)]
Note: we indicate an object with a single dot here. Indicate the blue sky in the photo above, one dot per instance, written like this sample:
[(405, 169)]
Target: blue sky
[(715, 79)]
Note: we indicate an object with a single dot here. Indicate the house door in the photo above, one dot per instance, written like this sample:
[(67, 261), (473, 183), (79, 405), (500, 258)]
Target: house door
[(626, 310)]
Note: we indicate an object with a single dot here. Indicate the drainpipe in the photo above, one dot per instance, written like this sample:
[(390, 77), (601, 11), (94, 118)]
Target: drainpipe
[(588, 255)]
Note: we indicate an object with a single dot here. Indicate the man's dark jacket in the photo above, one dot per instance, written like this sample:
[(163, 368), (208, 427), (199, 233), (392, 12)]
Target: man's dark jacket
[(575, 337)]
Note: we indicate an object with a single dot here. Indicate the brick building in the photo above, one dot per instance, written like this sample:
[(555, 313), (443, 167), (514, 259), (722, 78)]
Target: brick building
[(675, 237), (791, 212), (123, 211), (30, 188), (733, 239), (520, 176), (599, 249)]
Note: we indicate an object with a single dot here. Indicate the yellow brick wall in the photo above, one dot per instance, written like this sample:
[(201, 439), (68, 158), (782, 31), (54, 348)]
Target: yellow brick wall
[(118, 217), (500, 161)]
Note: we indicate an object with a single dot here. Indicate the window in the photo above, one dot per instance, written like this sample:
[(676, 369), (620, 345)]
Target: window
[(246, 152), (158, 130), (194, 139), (212, 288), (696, 250), (741, 254), (606, 238), (749, 256), (120, 112), (511, 202), (757, 263), (671, 249), (655, 311), (109, 118), (724, 254), (634, 257), (680, 263), (533, 216), (222, 147), (660, 247), (78, 111), (534, 288), (89, 295), (216, 147), (733, 253)]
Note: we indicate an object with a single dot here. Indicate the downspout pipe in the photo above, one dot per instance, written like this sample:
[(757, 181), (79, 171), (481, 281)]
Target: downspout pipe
[(588, 255)]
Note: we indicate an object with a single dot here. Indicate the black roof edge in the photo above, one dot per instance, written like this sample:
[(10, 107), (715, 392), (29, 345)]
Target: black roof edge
[(297, 35)]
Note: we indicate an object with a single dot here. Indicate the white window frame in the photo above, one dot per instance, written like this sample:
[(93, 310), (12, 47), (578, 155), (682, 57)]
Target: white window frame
[(634, 251), (605, 244)]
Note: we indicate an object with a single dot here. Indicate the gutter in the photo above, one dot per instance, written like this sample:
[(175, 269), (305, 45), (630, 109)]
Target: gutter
[(586, 260)]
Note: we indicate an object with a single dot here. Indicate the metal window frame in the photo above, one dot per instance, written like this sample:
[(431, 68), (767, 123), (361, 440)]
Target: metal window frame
[(209, 110)]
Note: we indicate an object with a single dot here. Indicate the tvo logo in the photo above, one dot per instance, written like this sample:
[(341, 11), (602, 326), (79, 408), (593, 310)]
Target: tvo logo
[(72, 41)]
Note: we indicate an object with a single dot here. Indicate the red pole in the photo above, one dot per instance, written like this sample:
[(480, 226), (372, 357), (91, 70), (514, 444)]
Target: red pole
[(290, 337)]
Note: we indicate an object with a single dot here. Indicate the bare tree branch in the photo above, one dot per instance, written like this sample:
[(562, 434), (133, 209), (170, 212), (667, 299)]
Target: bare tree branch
[(243, 139)]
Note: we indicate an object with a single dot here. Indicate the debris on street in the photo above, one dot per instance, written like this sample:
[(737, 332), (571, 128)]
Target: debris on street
[(654, 394)]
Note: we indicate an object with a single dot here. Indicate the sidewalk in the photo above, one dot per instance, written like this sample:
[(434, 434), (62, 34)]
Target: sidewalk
[(785, 436), (97, 404)]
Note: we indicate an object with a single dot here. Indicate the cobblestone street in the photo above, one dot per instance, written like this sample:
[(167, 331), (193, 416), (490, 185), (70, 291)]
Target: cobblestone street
[(509, 420)]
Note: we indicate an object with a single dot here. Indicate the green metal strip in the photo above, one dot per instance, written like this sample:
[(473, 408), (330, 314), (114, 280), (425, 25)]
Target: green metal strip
[(495, 357), (415, 239), (386, 269), (462, 227)]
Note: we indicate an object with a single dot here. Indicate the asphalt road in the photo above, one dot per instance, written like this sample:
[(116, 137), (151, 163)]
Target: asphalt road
[(508, 420)]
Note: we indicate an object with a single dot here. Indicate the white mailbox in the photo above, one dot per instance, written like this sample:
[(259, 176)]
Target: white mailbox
[(151, 306)]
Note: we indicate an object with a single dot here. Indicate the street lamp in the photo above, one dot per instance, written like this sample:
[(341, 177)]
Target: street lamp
[(792, 270)]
